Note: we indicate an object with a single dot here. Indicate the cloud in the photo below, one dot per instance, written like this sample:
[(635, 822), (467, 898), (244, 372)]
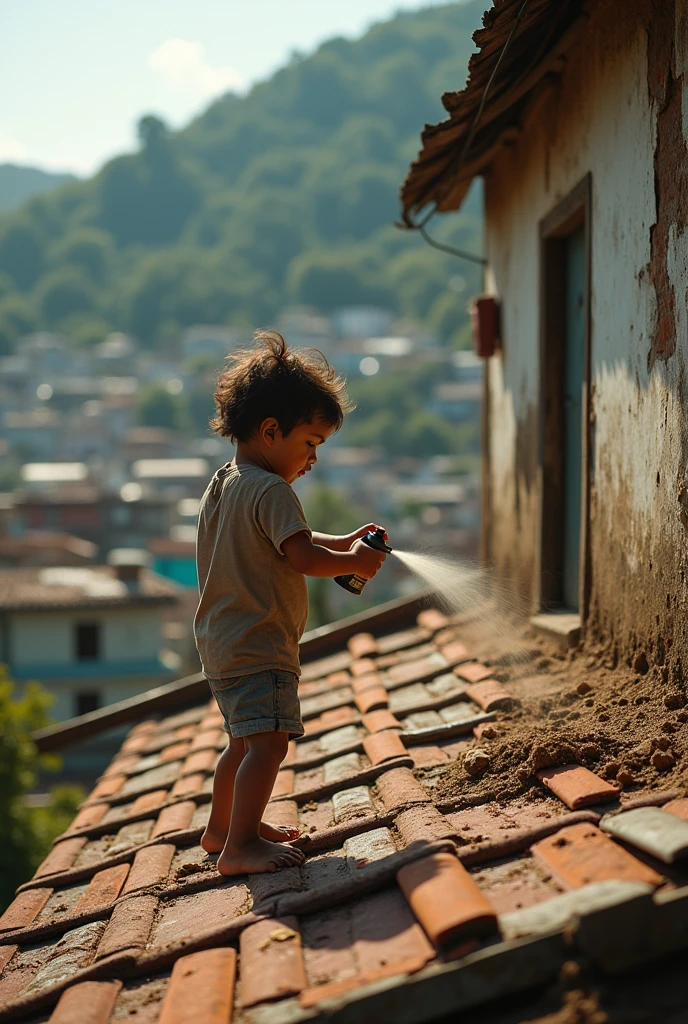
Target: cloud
[(183, 66), (11, 150)]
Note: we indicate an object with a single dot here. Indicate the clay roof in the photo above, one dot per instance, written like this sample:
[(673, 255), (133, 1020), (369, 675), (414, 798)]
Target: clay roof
[(456, 150), (79, 586), (409, 905)]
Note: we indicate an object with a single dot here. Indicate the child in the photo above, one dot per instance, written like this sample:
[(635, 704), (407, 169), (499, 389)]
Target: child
[(254, 549)]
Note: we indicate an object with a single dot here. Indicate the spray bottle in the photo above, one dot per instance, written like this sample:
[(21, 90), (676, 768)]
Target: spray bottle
[(353, 583)]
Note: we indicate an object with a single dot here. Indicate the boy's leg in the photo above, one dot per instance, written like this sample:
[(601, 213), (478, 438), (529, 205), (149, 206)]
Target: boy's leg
[(245, 851), (215, 835)]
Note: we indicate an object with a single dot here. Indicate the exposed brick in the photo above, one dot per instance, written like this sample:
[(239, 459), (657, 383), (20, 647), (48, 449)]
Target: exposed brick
[(428, 756), (454, 652), (75, 949), (409, 697), (201, 988), (88, 816), (284, 812), (151, 866), (173, 818), (149, 801), (576, 786), (432, 619), (336, 679), (490, 695), (108, 787), (368, 847), (678, 807), (362, 667), (175, 752), (24, 908), (473, 672), (201, 761), (90, 1002), (446, 900), (383, 746), (207, 739), (397, 788), (417, 671), (328, 947), (377, 721), (104, 888), (330, 719), (199, 912), (121, 765), (353, 802), (284, 783), (61, 857), (339, 739), (340, 768), (423, 823), (129, 926), (651, 829), (362, 645), (271, 961), (580, 854), (188, 785), (369, 700)]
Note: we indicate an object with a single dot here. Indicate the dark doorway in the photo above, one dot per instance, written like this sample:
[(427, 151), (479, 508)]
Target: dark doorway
[(565, 375)]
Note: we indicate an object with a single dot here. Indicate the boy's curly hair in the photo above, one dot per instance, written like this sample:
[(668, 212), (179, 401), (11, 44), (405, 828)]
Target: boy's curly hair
[(272, 380)]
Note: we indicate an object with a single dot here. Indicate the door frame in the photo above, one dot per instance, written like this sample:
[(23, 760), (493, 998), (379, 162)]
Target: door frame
[(567, 216)]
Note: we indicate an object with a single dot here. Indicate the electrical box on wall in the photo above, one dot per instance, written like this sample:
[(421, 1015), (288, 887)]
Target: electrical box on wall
[(485, 325)]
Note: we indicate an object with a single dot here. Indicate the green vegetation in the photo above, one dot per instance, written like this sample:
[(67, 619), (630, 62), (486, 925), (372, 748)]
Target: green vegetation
[(20, 183), (27, 832), (287, 195)]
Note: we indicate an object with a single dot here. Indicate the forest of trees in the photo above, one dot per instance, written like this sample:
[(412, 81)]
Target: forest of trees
[(286, 195)]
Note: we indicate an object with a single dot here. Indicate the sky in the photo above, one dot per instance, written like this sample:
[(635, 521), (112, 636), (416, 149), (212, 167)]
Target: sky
[(76, 75)]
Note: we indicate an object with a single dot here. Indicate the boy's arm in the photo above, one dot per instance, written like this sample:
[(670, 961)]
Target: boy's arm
[(344, 542), (307, 556)]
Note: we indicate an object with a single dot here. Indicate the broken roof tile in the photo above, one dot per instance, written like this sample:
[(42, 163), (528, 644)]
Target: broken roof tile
[(577, 786)]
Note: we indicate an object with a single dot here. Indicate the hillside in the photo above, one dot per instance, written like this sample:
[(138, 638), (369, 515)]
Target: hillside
[(18, 184), (287, 195)]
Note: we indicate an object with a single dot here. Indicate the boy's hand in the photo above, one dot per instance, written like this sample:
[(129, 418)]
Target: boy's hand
[(368, 559), (362, 530)]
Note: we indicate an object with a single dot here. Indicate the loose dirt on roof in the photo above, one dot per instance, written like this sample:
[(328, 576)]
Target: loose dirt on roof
[(626, 723)]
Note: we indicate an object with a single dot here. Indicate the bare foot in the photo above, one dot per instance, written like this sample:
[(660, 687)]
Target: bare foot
[(260, 855), (214, 843)]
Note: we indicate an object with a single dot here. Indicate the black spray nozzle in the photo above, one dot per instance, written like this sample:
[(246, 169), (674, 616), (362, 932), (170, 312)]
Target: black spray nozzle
[(354, 583), (376, 539)]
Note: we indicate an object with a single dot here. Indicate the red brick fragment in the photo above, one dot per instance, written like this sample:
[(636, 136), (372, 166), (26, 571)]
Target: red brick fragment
[(149, 801), (284, 783), (580, 854), (6, 954), (489, 695), (188, 785), (62, 856), (104, 888), (271, 961), (377, 721), (383, 746), (144, 728), (419, 671), (201, 988), (427, 756), (576, 786), (484, 730), (337, 679), (370, 700), (432, 619), (678, 807), (135, 744), (473, 672), (362, 667), (201, 761), (397, 788), (454, 652), (186, 732), (175, 752), (90, 1002), (423, 823), (88, 817), (208, 738), (446, 900), (108, 787), (362, 645), (24, 908), (174, 818), (369, 681), (284, 812), (151, 866), (129, 926), (121, 765)]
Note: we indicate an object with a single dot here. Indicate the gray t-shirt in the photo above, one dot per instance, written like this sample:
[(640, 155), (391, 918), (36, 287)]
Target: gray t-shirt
[(253, 606)]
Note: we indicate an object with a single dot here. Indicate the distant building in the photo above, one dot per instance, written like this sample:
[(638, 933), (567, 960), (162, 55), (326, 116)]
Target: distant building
[(35, 432), (175, 557), (184, 477), (90, 635), (211, 341), (36, 548), (457, 400), (150, 443), (361, 322)]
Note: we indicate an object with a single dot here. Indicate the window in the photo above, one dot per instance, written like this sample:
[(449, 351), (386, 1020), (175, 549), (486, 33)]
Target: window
[(87, 641), (86, 701)]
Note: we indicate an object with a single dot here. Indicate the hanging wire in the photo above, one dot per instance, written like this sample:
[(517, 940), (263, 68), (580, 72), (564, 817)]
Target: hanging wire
[(421, 225)]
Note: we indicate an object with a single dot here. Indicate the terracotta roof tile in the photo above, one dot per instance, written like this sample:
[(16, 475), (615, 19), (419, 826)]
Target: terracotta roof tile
[(391, 878)]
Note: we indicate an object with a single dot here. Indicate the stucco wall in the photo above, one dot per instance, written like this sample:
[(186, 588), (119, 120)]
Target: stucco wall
[(620, 112)]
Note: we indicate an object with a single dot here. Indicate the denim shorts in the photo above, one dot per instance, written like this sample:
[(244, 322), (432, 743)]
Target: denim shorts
[(265, 701)]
